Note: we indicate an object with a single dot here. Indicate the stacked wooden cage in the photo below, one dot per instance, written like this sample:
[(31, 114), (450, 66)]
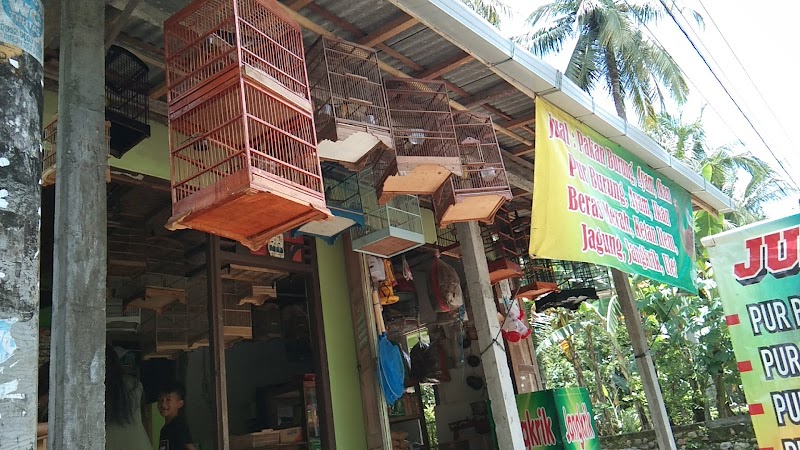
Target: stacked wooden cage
[(49, 137), (344, 201), (483, 187), (242, 135), (501, 242), (391, 228), (426, 148), (350, 106), (127, 99)]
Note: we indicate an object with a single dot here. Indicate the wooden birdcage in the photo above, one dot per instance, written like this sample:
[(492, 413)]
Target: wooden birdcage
[(501, 244), (350, 110), (49, 136), (389, 229), (163, 281), (344, 201), (127, 99), (256, 38), (483, 188), (538, 277), (241, 127), (166, 334), (447, 241), (426, 148)]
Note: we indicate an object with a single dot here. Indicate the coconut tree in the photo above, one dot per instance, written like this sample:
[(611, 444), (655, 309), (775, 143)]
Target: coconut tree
[(610, 50), (491, 10)]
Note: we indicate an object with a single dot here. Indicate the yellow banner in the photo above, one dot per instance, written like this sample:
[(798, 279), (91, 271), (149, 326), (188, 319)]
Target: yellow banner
[(595, 202)]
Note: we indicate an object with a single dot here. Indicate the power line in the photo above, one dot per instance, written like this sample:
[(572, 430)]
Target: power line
[(728, 93), (744, 69)]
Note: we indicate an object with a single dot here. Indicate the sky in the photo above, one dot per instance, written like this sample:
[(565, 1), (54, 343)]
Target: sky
[(763, 36)]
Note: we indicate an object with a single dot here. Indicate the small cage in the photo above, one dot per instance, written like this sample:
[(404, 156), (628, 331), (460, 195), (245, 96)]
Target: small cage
[(447, 241), (501, 244), (538, 277), (349, 98), (581, 275), (162, 282), (49, 136), (483, 188), (344, 201), (165, 335), (426, 148), (255, 38), (237, 152), (127, 99), (389, 229), (237, 314)]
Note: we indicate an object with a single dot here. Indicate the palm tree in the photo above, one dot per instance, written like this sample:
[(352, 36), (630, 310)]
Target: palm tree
[(610, 49), (491, 10)]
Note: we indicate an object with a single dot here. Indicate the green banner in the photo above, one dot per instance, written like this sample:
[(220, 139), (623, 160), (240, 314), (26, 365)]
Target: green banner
[(595, 202), (558, 419), (756, 269)]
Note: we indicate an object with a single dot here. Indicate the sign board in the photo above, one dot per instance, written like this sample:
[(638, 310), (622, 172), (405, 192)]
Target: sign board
[(595, 202), (21, 27), (558, 419), (756, 269)]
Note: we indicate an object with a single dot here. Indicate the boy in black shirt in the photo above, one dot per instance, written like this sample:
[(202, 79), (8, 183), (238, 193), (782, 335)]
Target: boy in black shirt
[(175, 432)]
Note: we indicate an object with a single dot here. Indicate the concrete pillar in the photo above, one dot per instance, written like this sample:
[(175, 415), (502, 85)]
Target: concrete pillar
[(20, 198), (644, 362), (484, 315), (77, 369)]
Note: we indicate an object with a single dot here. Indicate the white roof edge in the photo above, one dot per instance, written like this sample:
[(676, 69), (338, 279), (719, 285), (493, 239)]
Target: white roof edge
[(532, 76)]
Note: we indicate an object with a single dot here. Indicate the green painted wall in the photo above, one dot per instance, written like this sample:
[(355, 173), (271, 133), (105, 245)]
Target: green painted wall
[(428, 226), (151, 157), (348, 410)]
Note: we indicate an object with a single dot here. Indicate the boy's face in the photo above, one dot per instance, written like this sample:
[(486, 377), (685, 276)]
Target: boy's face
[(169, 405)]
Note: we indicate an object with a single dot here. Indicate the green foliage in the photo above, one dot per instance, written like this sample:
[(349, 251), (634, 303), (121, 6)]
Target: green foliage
[(491, 10)]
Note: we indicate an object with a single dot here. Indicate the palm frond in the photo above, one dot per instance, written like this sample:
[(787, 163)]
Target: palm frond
[(491, 10)]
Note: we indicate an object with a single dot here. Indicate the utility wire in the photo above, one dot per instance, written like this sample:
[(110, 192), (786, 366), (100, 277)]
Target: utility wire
[(744, 69), (728, 93)]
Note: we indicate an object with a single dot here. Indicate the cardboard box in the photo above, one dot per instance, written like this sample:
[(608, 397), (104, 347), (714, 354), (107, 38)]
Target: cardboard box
[(292, 435)]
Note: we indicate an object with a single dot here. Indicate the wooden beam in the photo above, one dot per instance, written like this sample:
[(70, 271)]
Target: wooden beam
[(524, 151), (297, 5), (410, 63), (445, 67), (388, 31), (520, 121), (216, 334), (497, 92), (115, 27), (158, 90), (492, 110)]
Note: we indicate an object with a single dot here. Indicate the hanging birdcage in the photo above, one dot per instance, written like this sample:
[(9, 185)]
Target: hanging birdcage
[(447, 241), (49, 136), (581, 275), (166, 334), (537, 279), (241, 128), (502, 248), (426, 149), (344, 201), (127, 99), (163, 281), (483, 188), (349, 98), (389, 229)]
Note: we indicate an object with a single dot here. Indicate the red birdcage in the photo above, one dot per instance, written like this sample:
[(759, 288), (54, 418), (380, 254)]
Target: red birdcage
[(241, 127), (350, 110), (483, 188), (426, 148), (501, 242)]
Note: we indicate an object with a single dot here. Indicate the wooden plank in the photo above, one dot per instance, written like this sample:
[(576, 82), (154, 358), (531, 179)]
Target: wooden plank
[(520, 121), (492, 110), (158, 90), (494, 93), (445, 67), (297, 5), (216, 334), (400, 57), (524, 151), (115, 27), (320, 358), (388, 31)]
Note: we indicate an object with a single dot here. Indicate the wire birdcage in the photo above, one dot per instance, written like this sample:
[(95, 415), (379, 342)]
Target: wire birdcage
[(49, 136), (350, 106), (389, 229), (538, 277), (237, 315), (343, 199), (163, 281), (166, 334), (254, 37), (483, 188), (426, 148), (127, 99), (501, 243), (447, 241), (581, 275)]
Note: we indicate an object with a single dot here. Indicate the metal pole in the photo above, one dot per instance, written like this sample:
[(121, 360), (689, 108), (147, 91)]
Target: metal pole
[(484, 312), (644, 362), (20, 197), (77, 369)]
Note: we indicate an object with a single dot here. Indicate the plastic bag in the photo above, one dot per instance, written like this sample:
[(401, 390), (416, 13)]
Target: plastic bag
[(444, 287)]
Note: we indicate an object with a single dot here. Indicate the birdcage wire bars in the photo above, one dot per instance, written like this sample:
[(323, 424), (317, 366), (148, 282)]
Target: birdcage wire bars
[(350, 105), (127, 99), (501, 243), (49, 137), (483, 188), (343, 199), (426, 148)]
